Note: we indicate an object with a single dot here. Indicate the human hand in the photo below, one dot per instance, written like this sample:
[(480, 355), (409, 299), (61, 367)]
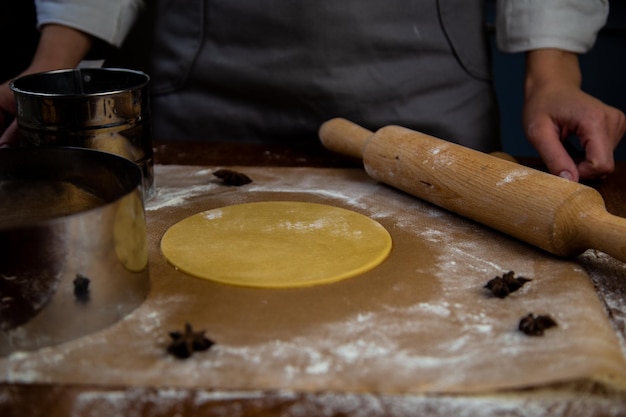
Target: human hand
[(59, 47), (8, 125), (555, 108), (553, 114)]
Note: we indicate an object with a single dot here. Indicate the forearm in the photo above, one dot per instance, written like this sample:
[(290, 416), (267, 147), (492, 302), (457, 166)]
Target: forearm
[(551, 67), (59, 47)]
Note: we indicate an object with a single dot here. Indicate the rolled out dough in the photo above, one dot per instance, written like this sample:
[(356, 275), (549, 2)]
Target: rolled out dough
[(276, 244)]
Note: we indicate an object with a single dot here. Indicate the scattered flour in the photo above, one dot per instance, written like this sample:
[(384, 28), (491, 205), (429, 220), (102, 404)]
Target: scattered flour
[(140, 401), (512, 177), (175, 197), (213, 214)]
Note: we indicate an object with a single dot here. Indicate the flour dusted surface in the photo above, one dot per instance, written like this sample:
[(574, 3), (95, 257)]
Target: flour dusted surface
[(419, 323)]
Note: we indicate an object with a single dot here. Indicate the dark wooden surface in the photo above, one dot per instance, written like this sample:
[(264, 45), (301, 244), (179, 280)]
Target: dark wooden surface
[(78, 400), (217, 154)]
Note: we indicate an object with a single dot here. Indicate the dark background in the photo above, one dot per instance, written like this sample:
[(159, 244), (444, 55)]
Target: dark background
[(17, 36)]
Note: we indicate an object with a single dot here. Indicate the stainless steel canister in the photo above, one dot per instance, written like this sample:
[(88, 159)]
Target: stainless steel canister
[(106, 109)]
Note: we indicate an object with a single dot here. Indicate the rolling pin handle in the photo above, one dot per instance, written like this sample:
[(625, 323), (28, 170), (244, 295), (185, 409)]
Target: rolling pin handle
[(344, 137), (605, 232)]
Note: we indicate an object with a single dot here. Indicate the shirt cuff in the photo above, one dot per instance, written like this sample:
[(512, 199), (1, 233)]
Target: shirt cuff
[(570, 25), (107, 20)]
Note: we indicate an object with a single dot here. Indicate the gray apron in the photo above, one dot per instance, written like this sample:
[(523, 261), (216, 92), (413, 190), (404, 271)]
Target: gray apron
[(273, 71)]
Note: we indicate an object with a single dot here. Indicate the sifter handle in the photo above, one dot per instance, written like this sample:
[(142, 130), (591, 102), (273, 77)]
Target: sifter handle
[(604, 231)]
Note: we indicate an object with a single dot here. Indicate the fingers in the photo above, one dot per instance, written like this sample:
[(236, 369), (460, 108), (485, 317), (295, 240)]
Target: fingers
[(10, 136), (599, 127), (7, 109), (4, 120), (600, 136), (546, 138), (8, 124), (598, 160)]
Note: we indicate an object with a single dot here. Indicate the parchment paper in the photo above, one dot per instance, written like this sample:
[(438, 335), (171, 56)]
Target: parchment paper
[(420, 323)]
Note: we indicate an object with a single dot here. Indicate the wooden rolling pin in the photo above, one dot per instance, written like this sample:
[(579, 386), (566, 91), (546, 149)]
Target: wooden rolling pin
[(557, 215)]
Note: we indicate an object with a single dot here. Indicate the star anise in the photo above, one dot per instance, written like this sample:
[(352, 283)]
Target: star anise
[(81, 288), (502, 286), (185, 343), (535, 325), (231, 177)]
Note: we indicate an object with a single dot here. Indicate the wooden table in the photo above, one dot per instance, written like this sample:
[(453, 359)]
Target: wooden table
[(61, 400)]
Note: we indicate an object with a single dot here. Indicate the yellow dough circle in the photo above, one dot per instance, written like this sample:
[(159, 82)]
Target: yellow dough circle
[(276, 244)]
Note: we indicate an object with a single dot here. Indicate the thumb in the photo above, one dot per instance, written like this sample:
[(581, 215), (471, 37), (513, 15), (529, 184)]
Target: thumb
[(545, 138)]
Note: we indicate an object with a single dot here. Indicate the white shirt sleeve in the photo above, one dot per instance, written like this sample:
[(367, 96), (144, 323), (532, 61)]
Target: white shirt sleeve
[(108, 20), (570, 25)]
